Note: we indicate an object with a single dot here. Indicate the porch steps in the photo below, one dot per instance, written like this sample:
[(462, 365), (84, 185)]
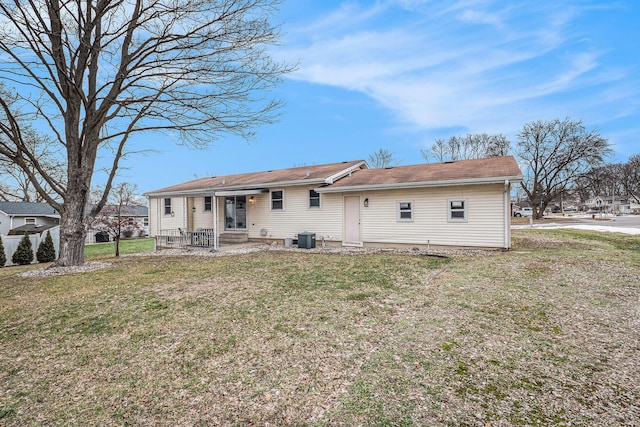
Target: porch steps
[(233, 238)]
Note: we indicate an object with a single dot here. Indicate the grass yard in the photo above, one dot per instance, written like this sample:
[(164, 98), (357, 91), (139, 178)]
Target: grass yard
[(134, 246), (545, 334)]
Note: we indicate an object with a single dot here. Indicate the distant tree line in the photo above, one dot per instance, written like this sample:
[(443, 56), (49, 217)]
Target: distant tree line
[(558, 157)]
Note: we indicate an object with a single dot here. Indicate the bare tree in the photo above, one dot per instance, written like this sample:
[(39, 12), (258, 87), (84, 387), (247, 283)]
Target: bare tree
[(382, 159), (630, 177), (470, 146), (114, 218), (97, 72), (16, 184), (556, 153)]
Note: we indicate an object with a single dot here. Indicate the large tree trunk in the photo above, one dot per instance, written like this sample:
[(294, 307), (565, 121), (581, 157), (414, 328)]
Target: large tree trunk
[(72, 235)]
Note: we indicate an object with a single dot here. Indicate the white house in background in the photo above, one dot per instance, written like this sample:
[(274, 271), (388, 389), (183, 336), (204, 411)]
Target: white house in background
[(136, 215), (610, 204), (462, 203), (17, 214)]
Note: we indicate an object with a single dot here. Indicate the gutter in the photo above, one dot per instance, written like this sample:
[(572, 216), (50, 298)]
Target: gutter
[(220, 190), (444, 183)]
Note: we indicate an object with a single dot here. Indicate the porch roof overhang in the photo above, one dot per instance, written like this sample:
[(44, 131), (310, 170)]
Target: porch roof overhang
[(241, 192)]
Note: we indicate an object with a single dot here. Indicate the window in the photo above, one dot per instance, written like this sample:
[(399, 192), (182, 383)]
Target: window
[(277, 200), (314, 199), (29, 220), (167, 206), (405, 211), (457, 210), (207, 203), (145, 221)]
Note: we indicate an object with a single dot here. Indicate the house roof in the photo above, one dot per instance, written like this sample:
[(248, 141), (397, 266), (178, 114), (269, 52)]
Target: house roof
[(28, 209), (477, 171), (127, 210), (29, 229), (314, 175)]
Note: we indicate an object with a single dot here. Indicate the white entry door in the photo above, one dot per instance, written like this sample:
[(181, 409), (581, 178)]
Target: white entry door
[(352, 220)]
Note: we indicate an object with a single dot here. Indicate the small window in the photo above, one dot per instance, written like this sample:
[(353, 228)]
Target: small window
[(145, 221), (457, 210), (405, 211), (29, 220), (167, 206), (207, 203), (314, 199), (277, 200)]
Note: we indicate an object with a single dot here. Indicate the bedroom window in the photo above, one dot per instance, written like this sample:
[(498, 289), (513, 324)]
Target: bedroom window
[(167, 206), (314, 199), (277, 200), (405, 211), (457, 210), (207, 203)]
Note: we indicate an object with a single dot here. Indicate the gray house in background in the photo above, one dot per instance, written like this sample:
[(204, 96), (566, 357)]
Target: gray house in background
[(35, 219), (18, 214)]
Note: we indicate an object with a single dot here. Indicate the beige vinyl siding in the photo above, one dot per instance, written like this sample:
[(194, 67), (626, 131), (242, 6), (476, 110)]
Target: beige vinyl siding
[(202, 218), (484, 225), (296, 217), (159, 221)]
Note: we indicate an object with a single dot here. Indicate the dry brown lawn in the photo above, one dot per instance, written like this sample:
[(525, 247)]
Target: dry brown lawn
[(546, 334)]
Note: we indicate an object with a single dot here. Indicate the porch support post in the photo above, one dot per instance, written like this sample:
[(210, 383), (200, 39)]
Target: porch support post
[(215, 222)]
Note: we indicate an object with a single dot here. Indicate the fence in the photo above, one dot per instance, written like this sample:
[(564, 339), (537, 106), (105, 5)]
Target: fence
[(181, 239), (11, 243)]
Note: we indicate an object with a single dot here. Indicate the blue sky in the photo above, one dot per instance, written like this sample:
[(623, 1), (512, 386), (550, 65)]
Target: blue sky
[(397, 74)]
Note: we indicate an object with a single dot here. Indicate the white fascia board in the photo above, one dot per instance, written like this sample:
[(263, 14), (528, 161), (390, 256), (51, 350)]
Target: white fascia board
[(331, 179), (447, 183), (240, 192), (219, 191)]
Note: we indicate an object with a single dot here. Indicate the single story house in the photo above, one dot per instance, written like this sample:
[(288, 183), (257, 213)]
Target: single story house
[(458, 203), (17, 214), (135, 215)]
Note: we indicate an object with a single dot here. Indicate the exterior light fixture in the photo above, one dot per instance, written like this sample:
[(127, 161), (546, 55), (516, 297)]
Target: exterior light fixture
[(193, 209), (366, 202)]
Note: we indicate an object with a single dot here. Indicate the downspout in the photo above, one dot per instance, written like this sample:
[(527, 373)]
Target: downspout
[(507, 218), (215, 222)]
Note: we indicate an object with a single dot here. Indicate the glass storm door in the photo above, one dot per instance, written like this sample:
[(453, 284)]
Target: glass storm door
[(235, 212)]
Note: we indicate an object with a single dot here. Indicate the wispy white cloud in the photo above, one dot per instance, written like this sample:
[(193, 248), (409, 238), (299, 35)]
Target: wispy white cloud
[(477, 65)]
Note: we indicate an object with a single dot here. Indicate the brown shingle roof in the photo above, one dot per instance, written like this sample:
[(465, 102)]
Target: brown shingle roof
[(461, 170), (311, 174)]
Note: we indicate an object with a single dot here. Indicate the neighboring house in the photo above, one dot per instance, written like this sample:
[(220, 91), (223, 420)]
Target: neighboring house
[(463, 203), (17, 214), (135, 215), (610, 204)]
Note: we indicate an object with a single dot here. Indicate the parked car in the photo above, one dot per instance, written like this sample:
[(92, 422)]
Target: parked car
[(523, 212)]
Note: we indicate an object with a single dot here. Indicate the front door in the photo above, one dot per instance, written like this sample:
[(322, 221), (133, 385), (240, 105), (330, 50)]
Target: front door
[(352, 220), (235, 212)]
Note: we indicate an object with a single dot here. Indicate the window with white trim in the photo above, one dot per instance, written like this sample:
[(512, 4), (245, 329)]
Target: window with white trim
[(29, 220), (167, 206), (207, 203), (457, 211), (145, 221), (314, 199), (405, 211), (277, 200)]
